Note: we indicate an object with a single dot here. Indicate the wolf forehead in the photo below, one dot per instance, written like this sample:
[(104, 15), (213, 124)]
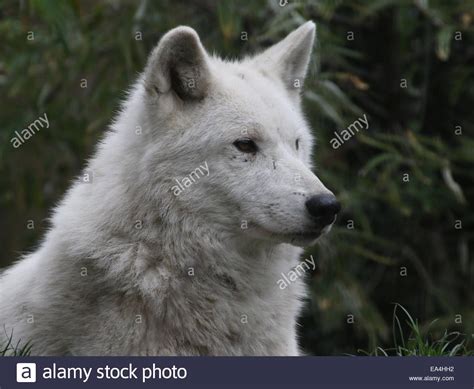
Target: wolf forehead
[(254, 103)]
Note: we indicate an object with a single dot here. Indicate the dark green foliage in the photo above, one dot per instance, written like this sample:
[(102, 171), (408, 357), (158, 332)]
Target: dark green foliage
[(405, 245)]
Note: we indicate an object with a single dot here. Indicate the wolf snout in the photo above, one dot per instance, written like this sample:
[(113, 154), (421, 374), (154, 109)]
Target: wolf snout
[(323, 208)]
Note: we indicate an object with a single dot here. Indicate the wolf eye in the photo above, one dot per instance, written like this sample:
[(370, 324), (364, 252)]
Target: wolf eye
[(297, 143), (246, 145)]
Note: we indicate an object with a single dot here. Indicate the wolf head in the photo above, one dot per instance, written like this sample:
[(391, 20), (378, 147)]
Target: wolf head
[(228, 142)]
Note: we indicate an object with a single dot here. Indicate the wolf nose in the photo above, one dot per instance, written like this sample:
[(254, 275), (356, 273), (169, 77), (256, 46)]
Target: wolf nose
[(323, 207)]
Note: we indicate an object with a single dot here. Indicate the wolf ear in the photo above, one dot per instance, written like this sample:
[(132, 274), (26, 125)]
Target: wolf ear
[(179, 64), (289, 58)]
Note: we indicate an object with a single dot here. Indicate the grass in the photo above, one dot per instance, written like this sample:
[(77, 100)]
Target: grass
[(10, 349), (416, 343)]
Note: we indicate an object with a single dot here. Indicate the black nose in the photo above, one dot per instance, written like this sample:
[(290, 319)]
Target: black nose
[(323, 207)]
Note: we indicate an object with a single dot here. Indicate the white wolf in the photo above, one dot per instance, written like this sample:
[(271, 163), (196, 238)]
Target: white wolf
[(131, 268)]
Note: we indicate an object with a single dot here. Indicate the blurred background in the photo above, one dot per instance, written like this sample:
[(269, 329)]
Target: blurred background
[(406, 183)]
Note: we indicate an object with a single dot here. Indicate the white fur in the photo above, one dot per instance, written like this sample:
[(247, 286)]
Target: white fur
[(140, 244)]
